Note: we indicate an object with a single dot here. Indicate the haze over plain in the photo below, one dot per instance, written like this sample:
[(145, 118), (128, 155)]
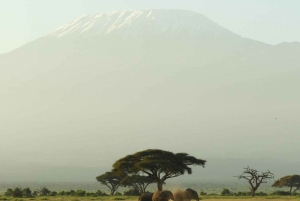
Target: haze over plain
[(104, 86)]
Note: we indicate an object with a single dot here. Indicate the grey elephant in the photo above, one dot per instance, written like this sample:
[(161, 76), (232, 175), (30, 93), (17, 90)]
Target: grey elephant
[(145, 197), (164, 195), (186, 195)]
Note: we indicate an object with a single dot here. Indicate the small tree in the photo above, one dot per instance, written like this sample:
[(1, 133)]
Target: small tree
[(111, 180), (157, 164), (138, 182), (225, 191), (8, 192), (80, 193), (17, 193), (255, 179), (44, 191), (26, 192), (290, 181)]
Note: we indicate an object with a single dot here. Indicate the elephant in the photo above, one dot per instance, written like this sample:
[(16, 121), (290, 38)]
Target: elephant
[(186, 195), (164, 195), (145, 197)]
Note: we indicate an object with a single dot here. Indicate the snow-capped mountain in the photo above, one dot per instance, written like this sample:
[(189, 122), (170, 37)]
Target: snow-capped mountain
[(107, 85), (141, 23)]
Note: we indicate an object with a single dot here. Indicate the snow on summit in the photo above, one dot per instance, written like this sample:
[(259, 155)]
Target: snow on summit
[(140, 23)]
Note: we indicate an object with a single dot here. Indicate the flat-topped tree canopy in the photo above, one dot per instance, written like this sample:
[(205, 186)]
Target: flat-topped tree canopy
[(158, 164), (290, 181)]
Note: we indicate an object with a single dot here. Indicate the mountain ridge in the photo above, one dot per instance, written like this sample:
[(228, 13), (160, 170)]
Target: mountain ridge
[(145, 22)]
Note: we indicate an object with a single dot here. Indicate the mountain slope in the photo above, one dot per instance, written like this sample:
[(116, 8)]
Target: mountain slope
[(108, 85)]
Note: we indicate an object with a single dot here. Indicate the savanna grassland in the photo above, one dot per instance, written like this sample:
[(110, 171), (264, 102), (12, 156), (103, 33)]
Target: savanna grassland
[(135, 198)]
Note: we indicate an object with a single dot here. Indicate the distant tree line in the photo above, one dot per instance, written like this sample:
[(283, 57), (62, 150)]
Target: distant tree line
[(27, 192)]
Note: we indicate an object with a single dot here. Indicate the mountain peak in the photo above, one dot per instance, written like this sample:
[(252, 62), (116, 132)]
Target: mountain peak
[(141, 23)]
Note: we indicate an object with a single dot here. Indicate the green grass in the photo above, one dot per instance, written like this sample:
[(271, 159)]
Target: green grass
[(135, 198)]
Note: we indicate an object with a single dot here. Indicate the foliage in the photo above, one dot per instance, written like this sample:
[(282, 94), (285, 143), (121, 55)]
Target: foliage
[(26, 192), (290, 181), (53, 193), (44, 191), (118, 193), (243, 193), (138, 182), (254, 178), (80, 193), (111, 180), (157, 164), (17, 193), (225, 191), (8, 192), (281, 193), (61, 193), (203, 193), (133, 191)]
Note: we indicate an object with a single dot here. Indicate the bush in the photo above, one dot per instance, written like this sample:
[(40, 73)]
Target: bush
[(80, 193), (61, 193), (44, 191), (132, 191), (117, 193), (225, 191), (8, 192), (53, 193), (203, 193), (17, 193), (243, 194), (26, 192), (281, 193), (261, 194)]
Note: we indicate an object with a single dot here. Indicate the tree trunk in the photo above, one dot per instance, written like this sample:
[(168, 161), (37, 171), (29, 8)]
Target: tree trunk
[(253, 193), (160, 185)]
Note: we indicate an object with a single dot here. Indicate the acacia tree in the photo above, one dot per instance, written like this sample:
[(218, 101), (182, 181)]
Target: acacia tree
[(111, 180), (137, 181), (254, 178), (157, 164), (290, 181)]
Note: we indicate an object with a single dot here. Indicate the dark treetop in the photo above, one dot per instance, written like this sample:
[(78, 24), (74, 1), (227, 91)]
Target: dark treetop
[(157, 164)]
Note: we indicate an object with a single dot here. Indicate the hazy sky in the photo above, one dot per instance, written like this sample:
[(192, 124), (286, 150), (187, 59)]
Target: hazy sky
[(270, 21)]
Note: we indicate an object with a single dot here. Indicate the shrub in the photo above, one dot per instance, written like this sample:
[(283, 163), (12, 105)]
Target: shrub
[(61, 193), (225, 191), (117, 193), (8, 192), (53, 193), (91, 194), (261, 194), (203, 193), (132, 191), (80, 193), (17, 193), (281, 193), (26, 192), (72, 192), (44, 191)]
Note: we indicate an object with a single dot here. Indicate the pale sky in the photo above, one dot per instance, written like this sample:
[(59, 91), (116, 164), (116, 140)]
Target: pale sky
[(269, 21)]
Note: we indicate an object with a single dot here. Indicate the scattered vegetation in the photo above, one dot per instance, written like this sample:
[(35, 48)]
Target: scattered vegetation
[(255, 179)]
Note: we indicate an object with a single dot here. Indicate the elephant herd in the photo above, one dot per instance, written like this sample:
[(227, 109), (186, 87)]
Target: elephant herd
[(166, 195)]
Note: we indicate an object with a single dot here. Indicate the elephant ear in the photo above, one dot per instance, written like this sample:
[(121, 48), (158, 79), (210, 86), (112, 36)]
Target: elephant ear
[(166, 195), (192, 194)]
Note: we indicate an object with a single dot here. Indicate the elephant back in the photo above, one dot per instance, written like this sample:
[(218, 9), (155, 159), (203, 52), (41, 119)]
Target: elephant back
[(164, 195), (186, 195), (192, 194), (180, 195), (146, 197)]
